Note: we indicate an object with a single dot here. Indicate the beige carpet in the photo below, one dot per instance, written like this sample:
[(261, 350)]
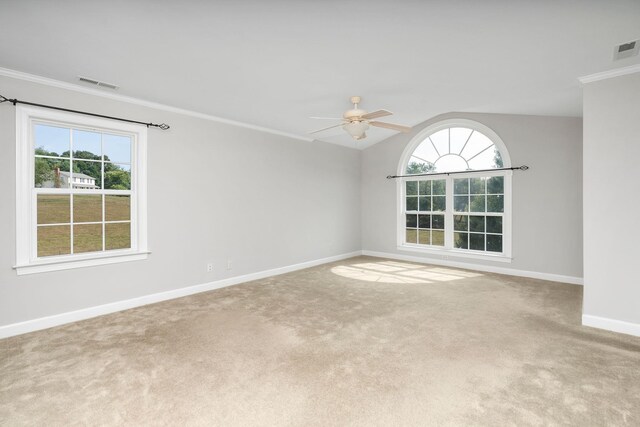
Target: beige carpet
[(361, 342)]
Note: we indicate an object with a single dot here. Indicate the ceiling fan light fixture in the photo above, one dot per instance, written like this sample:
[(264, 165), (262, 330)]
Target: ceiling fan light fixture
[(356, 129), (356, 121)]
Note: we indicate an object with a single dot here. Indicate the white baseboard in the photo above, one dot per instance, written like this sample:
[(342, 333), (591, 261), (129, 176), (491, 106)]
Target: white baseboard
[(611, 325), (479, 267), (87, 313)]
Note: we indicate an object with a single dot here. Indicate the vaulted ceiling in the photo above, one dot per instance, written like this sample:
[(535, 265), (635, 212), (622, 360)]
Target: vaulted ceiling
[(274, 63)]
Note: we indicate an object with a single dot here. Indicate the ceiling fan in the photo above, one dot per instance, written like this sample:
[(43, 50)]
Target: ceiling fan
[(357, 121)]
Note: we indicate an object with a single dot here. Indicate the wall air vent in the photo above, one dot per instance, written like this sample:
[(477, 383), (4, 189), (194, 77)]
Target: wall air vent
[(626, 50), (97, 83)]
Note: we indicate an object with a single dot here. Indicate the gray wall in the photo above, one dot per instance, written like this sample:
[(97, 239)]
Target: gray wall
[(611, 203), (215, 192), (547, 199), (219, 192)]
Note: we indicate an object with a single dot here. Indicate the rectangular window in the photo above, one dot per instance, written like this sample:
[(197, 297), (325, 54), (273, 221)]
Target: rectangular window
[(478, 213), (81, 191), (425, 209), (459, 214)]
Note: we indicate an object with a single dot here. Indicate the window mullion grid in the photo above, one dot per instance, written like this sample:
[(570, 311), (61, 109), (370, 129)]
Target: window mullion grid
[(33, 251), (55, 224), (434, 147), (133, 202), (465, 144), (486, 208), (33, 208), (84, 191), (72, 191), (416, 212), (449, 214), (430, 213), (448, 218), (104, 197), (403, 211), (484, 220), (71, 194)]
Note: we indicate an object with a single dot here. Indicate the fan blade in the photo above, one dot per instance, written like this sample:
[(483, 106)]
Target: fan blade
[(401, 128), (327, 128), (376, 114), (327, 118)]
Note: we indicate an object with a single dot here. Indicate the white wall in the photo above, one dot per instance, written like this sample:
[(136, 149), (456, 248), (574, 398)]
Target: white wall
[(612, 203), (215, 192), (547, 199)]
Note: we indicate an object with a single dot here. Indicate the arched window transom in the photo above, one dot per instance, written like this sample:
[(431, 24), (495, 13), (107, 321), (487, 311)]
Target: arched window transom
[(454, 149)]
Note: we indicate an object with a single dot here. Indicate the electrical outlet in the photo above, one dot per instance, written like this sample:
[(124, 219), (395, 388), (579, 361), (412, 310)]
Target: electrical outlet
[(229, 264), (209, 267)]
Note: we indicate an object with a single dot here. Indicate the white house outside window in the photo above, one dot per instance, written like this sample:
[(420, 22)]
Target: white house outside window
[(81, 191), (467, 214)]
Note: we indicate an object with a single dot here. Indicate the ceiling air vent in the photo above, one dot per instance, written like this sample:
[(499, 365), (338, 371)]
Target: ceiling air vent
[(626, 50), (97, 82)]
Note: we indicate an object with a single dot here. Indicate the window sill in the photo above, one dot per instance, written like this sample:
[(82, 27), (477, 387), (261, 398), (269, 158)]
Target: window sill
[(455, 253), (80, 261)]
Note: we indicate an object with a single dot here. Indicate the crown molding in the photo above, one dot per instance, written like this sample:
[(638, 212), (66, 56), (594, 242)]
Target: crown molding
[(19, 75), (610, 74)]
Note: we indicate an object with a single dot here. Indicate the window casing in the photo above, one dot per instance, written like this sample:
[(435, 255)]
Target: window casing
[(80, 191), (470, 213)]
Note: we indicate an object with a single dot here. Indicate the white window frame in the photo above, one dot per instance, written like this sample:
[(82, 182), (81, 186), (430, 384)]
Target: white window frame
[(27, 261), (448, 250)]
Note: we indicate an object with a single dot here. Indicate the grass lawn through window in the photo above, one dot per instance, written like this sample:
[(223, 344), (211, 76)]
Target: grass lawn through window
[(87, 227)]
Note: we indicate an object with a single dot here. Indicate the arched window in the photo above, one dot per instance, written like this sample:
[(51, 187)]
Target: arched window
[(442, 209)]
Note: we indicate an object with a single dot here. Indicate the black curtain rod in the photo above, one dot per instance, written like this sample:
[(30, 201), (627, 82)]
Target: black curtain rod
[(162, 126), (521, 168)]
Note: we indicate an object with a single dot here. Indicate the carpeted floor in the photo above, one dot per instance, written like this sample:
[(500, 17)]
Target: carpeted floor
[(360, 342)]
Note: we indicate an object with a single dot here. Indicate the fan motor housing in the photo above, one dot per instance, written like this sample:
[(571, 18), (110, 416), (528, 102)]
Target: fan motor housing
[(352, 114)]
